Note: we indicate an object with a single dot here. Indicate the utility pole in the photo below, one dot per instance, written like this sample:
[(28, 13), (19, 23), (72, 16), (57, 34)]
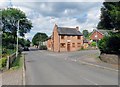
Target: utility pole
[(96, 38), (17, 36)]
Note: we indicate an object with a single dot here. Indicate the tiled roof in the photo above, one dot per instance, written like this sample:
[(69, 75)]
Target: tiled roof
[(69, 31), (104, 32)]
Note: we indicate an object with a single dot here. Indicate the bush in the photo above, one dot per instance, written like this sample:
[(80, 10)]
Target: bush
[(93, 44), (43, 47), (110, 44), (3, 62)]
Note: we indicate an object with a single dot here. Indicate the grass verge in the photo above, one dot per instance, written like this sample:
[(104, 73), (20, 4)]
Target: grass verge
[(18, 63), (3, 62)]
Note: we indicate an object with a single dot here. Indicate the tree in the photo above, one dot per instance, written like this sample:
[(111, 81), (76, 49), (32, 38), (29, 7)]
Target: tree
[(9, 22), (27, 43), (39, 37), (23, 42), (85, 33), (110, 16), (109, 20), (10, 17), (110, 44)]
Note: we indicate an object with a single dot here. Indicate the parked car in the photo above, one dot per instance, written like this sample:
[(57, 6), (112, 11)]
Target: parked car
[(26, 48)]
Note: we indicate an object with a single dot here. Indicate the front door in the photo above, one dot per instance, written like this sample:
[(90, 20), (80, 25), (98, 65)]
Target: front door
[(68, 47)]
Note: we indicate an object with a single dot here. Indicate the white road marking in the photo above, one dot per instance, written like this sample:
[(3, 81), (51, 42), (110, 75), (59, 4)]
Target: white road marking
[(90, 81), (75, 60), (98, 66)]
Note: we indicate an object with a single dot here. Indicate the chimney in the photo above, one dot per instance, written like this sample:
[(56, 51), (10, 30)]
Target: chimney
[(77, 28)]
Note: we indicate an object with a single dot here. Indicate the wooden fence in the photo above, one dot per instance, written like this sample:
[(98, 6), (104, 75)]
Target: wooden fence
[(10, 60)]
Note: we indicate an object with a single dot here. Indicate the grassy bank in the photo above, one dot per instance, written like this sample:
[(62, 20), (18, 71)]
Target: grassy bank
[(18, 63)]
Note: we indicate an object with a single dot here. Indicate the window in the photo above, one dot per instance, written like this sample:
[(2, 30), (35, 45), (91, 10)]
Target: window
[(78, 44), (78, 37), (73, 44), (62, 45), (62, 37)]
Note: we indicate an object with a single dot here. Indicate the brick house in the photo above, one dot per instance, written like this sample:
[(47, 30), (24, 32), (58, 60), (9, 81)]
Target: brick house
[(65, 39), (98, 34)]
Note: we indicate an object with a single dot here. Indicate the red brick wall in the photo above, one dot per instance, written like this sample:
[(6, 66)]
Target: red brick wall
[(57, 41), (73, 41), (99, 36)]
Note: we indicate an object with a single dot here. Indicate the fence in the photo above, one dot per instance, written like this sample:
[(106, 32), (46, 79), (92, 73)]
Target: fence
[(10, 60)]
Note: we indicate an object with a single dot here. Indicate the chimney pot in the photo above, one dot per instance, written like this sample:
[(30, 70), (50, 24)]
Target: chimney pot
[(77, 28)]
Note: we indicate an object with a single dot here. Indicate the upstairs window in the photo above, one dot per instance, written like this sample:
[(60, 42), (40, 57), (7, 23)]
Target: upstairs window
[(62, 37), (62, 45), (78, 37)]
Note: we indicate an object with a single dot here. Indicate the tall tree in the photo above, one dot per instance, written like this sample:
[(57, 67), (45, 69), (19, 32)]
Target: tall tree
[(110, 19), (110, 16), (39, 37), (10, 18), (85, 33)]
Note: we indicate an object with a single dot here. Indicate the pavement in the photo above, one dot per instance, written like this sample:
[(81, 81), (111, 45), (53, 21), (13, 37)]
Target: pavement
[(12, 77), (68, 68)]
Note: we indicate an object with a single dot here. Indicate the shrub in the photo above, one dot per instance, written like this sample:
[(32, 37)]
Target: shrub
[(3, 62), (43, 47), (110, 44), (93, 44)]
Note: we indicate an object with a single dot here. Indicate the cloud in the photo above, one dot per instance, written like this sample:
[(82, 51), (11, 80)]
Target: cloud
[(70, 14)]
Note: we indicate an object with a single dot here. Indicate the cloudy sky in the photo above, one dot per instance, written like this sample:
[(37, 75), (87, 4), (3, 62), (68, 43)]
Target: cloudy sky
[(67, 14)]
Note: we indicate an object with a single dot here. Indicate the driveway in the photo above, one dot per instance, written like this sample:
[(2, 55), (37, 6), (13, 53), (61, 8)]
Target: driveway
[(49, 68)]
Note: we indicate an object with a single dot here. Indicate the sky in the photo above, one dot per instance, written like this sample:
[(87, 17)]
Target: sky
[(44, 14)]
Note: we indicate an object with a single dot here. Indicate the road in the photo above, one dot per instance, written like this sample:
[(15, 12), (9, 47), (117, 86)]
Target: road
[(49, 68)]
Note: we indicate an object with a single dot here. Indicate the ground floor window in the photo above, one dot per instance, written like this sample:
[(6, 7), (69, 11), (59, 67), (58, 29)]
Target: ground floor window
[(73, 44), (62, 45), (78, 44)]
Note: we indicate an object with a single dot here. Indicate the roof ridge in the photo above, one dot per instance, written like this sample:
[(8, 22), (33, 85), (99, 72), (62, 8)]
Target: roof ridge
[(67, 27)]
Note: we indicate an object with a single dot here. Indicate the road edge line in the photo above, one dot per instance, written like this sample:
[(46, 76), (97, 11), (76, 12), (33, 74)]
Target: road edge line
[(98, 66), (24, 69)]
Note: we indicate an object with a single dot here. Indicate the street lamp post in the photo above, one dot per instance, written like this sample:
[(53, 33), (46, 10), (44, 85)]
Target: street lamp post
[(96, 38), (17, 35)]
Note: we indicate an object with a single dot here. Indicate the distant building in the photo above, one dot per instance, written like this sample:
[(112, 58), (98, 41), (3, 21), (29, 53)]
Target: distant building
[(65, 39), (85, 43), (98, 34)]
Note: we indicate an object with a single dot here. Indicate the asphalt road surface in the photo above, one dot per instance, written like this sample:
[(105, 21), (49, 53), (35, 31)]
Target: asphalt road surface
[(49, 68)]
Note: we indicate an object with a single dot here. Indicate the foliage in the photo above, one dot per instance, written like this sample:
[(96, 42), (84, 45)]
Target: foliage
[(43, 47), (39, 37), (27, 43), (23, 42), (93, 44), (110, 19), (110, 44), (18, 63), (8, 38), (110, 16), (10, 17), (3, 62), (85, 33), (7, 51)]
